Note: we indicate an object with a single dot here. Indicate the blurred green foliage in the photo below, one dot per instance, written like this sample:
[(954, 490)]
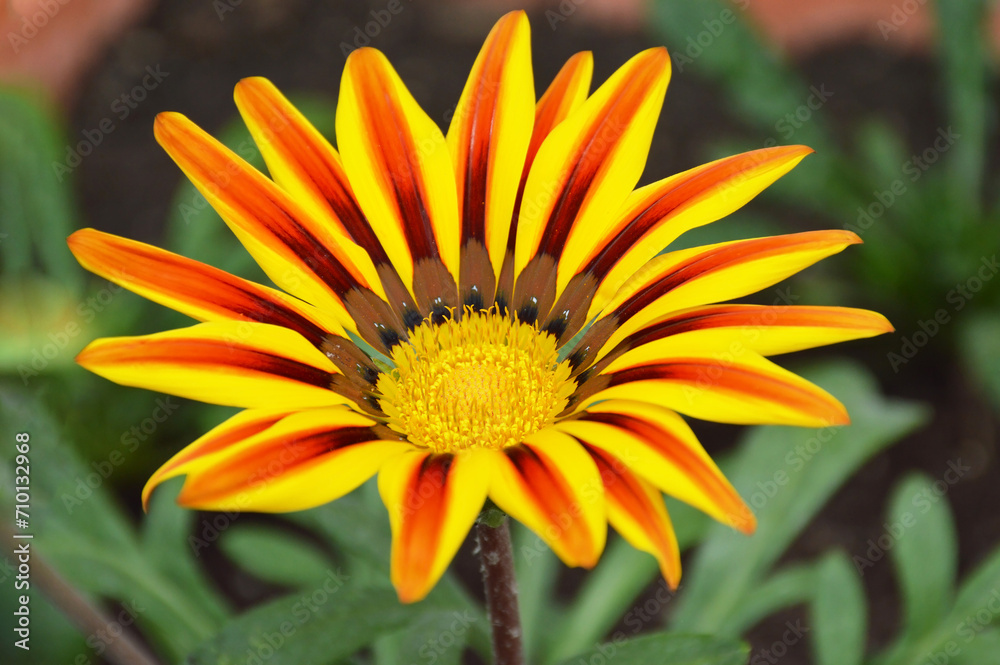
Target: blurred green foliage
[(329, 566)]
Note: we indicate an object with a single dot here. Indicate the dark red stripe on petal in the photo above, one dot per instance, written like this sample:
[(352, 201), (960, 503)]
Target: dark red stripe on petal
[(258, 465), (550, 492), (718, 258), (315, 157), (424, 505), (715, 375), (669, 202), (132, 264), (209, 354), (670, 447), (600, 141), (254, 197), (624, 488), (398, 154)]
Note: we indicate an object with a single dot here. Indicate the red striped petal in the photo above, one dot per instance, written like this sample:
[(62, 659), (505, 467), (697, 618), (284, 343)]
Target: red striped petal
[(433, 501), (395, 158), (488, 139), (583, 172)]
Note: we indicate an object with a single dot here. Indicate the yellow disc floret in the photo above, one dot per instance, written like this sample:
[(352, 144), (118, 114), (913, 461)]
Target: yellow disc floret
[(483, 381)]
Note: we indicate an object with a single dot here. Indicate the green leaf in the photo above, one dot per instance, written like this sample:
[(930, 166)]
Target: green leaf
[(437, 637), (978, 648), (35, 195), (275, 556), (790, 586), (924, 551), (665, 649), (622, 574), (979, 346), (964, 43), (537, 569), (786, 475), (839, 613), (85, 536), (317, 626)]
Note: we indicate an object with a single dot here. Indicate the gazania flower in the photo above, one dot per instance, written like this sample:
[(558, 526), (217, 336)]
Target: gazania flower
[(432, 286)]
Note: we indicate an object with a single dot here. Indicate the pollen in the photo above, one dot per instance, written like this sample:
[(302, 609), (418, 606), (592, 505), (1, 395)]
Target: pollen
[(483, 381)]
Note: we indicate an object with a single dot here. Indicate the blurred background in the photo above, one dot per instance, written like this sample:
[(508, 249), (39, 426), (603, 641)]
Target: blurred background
[(899, 99)]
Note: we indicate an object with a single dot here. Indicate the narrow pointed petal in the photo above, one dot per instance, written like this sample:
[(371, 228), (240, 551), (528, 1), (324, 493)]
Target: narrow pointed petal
[(586, 168), (657, 214), (399, 167), (715, 273), (656, 444), (636, 511), (251, 365), (300, 254), (551, 485), (433, 501), (194, 288), (305, 165), (739, 387), (302, 161), (240, 427), (565, 94), (765, 329), (303, 460), (488, 139)]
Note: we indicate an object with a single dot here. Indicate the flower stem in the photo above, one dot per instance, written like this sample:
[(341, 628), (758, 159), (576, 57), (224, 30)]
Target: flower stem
[(497, 557)]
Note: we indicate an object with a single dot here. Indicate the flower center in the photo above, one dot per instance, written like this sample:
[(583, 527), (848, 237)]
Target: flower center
[(485, 381)]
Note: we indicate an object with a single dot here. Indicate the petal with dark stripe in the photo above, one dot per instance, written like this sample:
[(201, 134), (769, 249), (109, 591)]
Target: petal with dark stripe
[(235, 363), (305, 165), (765, 329), (488, 139), (703, 275), (730, 386), (657, 214), (563, 96), (397, 159), (636, 511), (433, 501), (657, 445), (300, 254), (586, 168), (301, 461), (551, 485)]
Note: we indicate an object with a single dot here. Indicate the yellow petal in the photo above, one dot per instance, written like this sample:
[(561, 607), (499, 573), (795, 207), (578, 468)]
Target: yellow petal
[(657, 214), (398, 164), (433, 501), (234, 363), (724, 386), (489, 135), (551, 485), (589, 163), (636, 511), (715, 273), (656, 444), (301, 461)]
